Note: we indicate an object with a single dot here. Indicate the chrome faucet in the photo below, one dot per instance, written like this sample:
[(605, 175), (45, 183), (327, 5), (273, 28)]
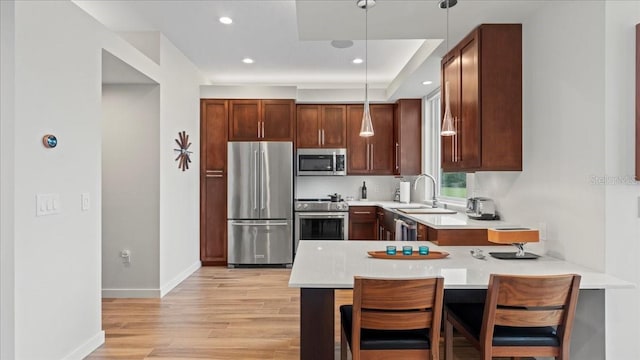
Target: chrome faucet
[(433, 188)]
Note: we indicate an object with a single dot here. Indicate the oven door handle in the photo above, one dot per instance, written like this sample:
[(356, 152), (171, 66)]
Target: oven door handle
[(321, 216)]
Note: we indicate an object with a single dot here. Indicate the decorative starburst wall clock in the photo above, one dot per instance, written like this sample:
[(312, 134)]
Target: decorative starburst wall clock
[(184, 153)]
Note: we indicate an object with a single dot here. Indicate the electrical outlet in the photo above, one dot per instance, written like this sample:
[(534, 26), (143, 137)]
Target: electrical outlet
[(84, 199), (126, 256)]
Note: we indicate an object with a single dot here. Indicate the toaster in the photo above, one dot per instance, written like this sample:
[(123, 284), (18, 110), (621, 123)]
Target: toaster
[(481, 208)]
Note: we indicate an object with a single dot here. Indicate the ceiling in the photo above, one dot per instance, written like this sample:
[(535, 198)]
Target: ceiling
[(290, 41)]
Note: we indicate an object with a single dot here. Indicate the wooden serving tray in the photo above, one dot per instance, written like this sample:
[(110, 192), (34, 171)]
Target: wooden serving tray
[(415, 256)]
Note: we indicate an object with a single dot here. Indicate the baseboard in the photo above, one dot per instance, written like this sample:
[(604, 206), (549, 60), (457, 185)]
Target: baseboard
[(166, 288), (87, 348), (131, 293), (152, 293)]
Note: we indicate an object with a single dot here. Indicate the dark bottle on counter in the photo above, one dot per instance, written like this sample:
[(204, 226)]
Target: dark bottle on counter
[(363, 194)]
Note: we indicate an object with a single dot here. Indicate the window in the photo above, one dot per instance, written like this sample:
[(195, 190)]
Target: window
[(453, 185)]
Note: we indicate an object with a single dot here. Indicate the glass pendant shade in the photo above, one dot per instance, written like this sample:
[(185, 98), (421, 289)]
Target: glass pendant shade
[(447, 122), (366, 129)]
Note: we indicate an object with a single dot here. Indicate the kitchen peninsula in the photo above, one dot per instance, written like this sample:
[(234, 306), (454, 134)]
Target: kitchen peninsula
[(320, 267)]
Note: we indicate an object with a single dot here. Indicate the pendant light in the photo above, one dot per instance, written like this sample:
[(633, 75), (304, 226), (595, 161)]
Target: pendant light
[(366, 128), (448, 129)]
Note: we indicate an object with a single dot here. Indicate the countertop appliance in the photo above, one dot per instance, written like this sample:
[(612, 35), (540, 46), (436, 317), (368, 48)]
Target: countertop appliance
[(481, 208), (321, 219), (331, 162), (259, 203)]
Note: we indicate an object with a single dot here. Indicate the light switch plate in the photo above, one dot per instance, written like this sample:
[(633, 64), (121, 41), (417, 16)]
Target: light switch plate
[(47, 204)]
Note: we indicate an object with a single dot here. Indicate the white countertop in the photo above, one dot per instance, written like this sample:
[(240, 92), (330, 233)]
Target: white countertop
[(333, 264), (459, 221)]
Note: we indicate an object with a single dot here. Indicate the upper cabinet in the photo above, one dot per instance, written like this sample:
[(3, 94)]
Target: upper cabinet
[(214, 122), (484, 72), (321, 126), (261, 120), (407, 137), (371, 155)]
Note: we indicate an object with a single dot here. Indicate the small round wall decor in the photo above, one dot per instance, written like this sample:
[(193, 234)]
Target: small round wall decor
[(184, 153), (49, 141)]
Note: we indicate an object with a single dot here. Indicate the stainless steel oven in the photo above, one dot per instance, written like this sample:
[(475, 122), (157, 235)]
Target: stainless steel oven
[(320, 219), (331, 162)]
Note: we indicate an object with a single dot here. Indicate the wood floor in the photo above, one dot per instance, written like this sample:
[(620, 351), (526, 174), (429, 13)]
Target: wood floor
[(217, 313)]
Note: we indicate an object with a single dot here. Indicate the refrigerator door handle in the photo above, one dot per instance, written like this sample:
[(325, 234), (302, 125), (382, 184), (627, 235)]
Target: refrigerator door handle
[(259, 224), (255, 180), (262, 187)]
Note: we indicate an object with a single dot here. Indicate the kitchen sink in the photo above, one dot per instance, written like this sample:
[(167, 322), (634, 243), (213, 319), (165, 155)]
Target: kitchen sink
[(426, 210)]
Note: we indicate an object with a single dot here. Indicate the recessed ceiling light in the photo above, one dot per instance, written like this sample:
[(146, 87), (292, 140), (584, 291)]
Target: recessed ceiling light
[(226, 20), (357, 61), (247, 60), (428, 82), (341, 44)]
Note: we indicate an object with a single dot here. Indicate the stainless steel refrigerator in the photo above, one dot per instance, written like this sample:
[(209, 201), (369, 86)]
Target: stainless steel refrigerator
[(260, 203)]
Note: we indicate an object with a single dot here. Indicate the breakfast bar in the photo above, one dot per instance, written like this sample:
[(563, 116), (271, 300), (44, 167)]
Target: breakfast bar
[(320, 267)]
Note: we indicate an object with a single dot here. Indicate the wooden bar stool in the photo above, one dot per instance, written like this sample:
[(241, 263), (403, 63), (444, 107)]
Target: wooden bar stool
[(522, 316), (393, 319)]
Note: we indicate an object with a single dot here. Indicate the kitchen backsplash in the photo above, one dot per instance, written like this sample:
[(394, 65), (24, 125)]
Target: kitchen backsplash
[(378, 187)]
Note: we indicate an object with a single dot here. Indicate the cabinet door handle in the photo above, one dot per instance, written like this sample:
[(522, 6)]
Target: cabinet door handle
[(258, 129), (213, 176), (214, 171), (322, 136), (397, 163), (362, 212), (263, 129), (368, 162), (319, 138)]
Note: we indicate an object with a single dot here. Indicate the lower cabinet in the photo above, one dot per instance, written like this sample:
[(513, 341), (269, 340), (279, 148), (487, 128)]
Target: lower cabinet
[(363, 223), (213, 219), (463, 237), (422, 232), (387, 225)]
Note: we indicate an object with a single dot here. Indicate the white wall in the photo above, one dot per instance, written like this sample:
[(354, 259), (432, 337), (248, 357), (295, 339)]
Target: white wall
[(563, 146), (7, 123), (57, 258), (130, 189), (170, 253), (179, 191), (622, 217), (380, 188), (578, 141)]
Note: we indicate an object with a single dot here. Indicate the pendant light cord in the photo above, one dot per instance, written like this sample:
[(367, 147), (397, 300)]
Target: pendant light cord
[(447, 25), (366, 52)]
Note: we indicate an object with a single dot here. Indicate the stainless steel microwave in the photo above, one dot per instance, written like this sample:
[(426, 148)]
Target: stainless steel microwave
[(321, 162)]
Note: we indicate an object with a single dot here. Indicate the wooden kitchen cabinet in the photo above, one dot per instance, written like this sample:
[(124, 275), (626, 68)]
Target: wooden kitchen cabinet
[(422, 232), (458, 237), (261, 120), (388, 225), (407, 137), (321, 126), (213, 181), (484, 72), (363, 223), (370, 155)]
